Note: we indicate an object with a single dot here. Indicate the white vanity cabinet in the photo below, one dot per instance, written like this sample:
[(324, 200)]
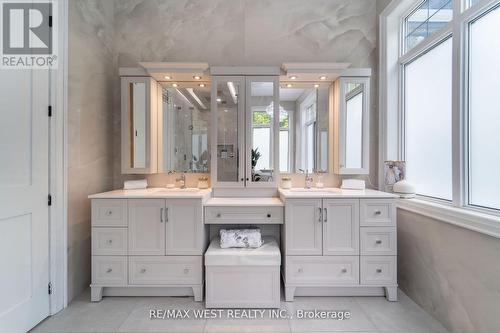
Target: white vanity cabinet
[(143, 245), (339, 244)]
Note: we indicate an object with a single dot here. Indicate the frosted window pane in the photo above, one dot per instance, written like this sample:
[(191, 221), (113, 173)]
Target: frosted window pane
[(484, 126), (428, 122), (354, 129), (284, 151), (261, 141)]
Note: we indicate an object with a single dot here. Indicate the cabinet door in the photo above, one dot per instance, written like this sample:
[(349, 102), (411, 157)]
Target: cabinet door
[(146, 226), (340, 227), (303, 227), (184, 227)]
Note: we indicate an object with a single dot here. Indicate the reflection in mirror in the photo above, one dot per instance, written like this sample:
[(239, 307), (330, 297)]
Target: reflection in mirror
[(262, 107), (137, 116), (227, 131), (186, 118), (303, 128), (354, 125)]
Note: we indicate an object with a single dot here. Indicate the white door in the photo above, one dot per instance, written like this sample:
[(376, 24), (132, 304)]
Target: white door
[(303, 227), (146, 227), (24, 213), (184, 227), (341, 227)]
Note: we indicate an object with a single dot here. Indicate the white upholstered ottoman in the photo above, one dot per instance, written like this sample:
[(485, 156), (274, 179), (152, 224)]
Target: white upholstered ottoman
[(243, 278)]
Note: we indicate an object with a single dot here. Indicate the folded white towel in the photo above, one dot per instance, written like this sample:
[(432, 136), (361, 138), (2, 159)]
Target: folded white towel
[(240, 238), (135, 184)]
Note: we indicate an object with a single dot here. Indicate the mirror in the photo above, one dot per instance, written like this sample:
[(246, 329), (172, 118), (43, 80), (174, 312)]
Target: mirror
[(137, 121), (185, 120), (303, 136)]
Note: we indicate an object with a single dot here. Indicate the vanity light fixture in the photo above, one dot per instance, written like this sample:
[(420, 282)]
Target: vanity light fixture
[(202, 85), (167, 77), (289, 85), (293, 77), (175, 85), (322, 77), (197, 77)]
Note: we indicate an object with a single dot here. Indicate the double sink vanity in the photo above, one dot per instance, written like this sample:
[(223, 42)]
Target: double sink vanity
[(333, 242), (247, 131)]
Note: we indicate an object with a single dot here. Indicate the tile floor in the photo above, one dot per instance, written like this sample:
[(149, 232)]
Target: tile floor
[(131, 314)]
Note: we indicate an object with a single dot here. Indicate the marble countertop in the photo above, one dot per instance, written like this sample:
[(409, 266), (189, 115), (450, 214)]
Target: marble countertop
[(333, 193), (252, 202), (154, 193)]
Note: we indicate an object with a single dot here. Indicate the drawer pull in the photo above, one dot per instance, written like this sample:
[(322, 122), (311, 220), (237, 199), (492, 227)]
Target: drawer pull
[(344, 270), (161, 215), (109, 212), (143, 270), (110, 241), (320, 218), (218, 215), (378, 241), (325, 217), (379, 270), (186, 270), (377, 212), (300, 270), (109, 270), (268, 215)]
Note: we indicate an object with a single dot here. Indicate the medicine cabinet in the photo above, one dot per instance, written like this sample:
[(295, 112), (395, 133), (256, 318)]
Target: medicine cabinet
[(351, 100), (245, 142), (139, 103)]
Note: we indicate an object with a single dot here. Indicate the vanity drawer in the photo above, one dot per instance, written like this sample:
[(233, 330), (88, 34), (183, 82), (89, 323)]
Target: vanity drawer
[(109, 212), (316, 270), (154, 270), (378, 241), (109, 270), (378, 270), (377, 212), (244, 215), (109, 241)]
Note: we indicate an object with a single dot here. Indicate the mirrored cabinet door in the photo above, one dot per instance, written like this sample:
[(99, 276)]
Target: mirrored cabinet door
[(139, 118), (262, 134), (228, 147), (352, 121)]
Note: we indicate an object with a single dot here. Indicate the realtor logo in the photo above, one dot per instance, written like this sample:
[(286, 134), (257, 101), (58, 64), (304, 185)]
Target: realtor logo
[(28, 34)]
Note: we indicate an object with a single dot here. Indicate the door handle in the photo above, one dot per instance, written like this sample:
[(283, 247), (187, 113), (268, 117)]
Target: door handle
[(161, 215), (325, 215), (319, 214), (166, 214)]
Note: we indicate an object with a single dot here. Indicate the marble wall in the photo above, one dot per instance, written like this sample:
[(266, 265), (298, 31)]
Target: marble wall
[(90, 128), (451, 272), (247, 32)]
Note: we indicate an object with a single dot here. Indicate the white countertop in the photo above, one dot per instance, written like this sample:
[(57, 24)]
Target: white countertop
[(334, 193), (252, 202), (154, 193)]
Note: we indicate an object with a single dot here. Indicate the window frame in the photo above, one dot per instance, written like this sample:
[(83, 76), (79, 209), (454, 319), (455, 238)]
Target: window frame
[(393, 58)]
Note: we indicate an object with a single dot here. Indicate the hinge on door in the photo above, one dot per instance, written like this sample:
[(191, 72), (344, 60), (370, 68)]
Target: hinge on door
[(49, 200), (50, 21), (49, 287), (49, 109)]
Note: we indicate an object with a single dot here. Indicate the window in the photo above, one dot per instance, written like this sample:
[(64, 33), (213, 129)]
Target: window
[(428, 17), (427, 119), (484, 111)]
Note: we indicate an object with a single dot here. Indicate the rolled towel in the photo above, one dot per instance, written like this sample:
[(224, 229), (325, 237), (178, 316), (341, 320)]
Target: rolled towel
[(135, 184), (250, 238)]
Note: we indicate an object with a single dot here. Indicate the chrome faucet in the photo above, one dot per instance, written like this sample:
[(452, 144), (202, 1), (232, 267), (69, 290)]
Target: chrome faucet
[(182, 179), (308, 179)]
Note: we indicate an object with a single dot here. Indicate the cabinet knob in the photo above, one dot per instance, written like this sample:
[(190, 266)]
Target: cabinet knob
[(247, 179), (378, 241), (300, 270), (109, 270), (378, 212), (379, 270), (218, 214), (344, 270), (143, 270), (268, 214), (109, 212), (242, 179), (186, 270), (110, 241)]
